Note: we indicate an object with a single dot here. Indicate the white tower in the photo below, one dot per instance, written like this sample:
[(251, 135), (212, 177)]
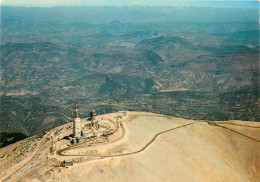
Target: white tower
[(76, 123)]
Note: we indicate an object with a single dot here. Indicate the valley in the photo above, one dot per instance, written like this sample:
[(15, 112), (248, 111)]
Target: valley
[(191, 67)]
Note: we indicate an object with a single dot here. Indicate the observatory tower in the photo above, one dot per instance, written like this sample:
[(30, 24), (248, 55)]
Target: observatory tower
[(94, 122), (76, 123)]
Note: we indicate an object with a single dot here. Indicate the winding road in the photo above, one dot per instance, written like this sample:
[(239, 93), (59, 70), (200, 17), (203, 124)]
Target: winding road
[(59, 152)]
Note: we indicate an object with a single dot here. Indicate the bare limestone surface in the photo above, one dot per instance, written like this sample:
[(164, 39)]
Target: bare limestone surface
[(139, 146)]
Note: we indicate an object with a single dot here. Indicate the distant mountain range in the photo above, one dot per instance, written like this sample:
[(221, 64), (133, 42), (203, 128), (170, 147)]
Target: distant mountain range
[(167, 63)]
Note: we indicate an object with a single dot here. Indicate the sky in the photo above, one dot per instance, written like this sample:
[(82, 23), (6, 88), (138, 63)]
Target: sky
[(52, 3)]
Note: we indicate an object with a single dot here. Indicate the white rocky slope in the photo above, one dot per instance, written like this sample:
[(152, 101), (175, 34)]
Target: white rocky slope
[(145, 147)]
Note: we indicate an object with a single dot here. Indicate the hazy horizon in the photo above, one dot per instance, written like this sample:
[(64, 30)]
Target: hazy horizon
[(207, 3)]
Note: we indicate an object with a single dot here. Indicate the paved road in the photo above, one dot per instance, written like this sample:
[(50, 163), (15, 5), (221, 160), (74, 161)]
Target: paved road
[(129, 153), (153, 139)]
